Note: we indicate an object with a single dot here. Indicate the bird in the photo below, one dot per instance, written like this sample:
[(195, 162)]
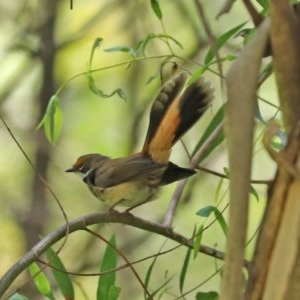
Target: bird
[(137, 179)]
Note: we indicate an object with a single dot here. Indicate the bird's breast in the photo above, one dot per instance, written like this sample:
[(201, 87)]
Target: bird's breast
[(127, 194)]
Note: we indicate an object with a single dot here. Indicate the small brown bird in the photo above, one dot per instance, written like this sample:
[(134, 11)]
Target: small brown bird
[(136, 179)]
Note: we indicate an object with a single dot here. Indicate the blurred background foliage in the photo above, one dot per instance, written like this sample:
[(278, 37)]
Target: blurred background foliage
[(45, 43)]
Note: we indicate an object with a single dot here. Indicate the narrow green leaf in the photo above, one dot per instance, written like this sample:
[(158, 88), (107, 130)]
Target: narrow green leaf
[(226, 171), (151, 78), (57, 121), (41, 281), (113, 292), (17, 296), (212, 295), (52, 120), (221, 220), (185, 266), (62, 279), (150, 36), (107, 282), (156, 8), (254, 193), (149, 272), (125, 49), (246, 34), (143, 43), (184, 269), (91, 81), (215, 122), (97, 43), (205, 211), (218, 189), (264, 3), (100, 93), (169, 37), (198, 73), (221, 41), (197, 241)]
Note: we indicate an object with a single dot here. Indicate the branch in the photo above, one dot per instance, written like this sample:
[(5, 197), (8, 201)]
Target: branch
[(81, 224), (169, 216)]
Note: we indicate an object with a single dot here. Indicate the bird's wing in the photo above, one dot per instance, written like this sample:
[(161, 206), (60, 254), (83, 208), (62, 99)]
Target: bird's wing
[(119, 170)]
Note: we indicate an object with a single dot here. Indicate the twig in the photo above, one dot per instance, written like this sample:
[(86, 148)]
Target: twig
[(170, 213), (221, 175), (42, 179), (81, 224)]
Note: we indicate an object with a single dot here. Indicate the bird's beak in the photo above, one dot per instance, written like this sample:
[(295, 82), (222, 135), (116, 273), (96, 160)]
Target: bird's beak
[(70, 170)]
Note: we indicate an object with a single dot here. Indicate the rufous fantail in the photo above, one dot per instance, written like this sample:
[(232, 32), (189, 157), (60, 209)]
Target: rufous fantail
[(136, 179)]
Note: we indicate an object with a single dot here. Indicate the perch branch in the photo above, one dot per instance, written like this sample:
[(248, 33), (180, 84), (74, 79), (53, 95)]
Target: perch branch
[(81, 224)]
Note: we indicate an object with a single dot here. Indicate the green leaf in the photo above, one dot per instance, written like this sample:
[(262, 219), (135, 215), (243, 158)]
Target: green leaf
[(246, 34), (106, 283), (156, 8), (184, 269), (215, 122), (226, 171), (150, 36), (197, 241), (125, 49), (221, 221), (264, 3), (97, 43), (206, 212), (17, 296), (218, 189), (207, 295), (221, 41), (169, 37), (41, 281), (52, 120), (63, 279), (198, 73), (91, 80), (254, 193), (148, 274), (100, 93), (113, 292)]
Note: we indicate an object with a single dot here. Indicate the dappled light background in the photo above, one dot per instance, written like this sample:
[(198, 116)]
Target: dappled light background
[(110, 126)]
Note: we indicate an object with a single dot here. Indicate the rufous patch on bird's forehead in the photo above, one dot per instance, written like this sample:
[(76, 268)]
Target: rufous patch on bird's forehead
[(79, 163)]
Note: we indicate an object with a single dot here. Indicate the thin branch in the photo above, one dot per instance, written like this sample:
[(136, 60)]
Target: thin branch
[(81, 224), (41, 178), (169, 216), (212, 39), (221, 175), (225, 8)]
